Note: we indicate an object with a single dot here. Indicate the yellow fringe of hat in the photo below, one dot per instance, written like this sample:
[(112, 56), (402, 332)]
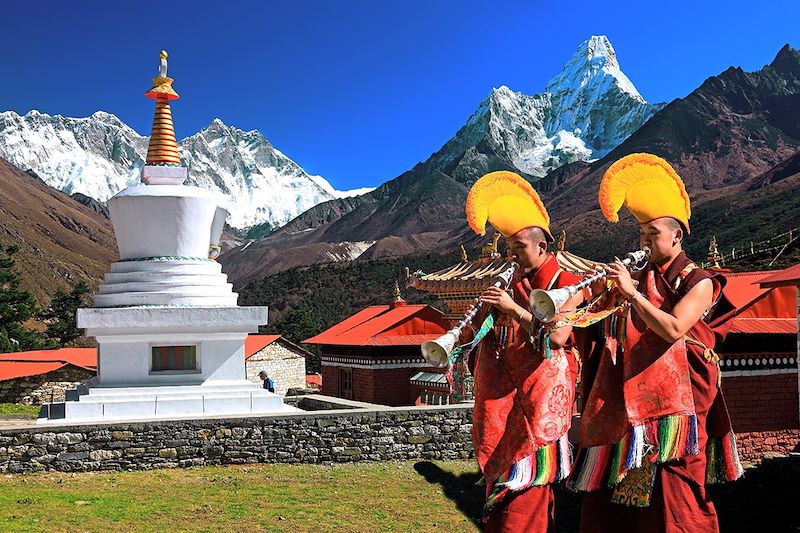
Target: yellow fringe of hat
[(648, 186), (507, 202)]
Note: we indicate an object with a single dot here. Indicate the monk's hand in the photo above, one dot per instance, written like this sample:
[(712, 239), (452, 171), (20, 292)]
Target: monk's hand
[(501, 300), (621, 277)]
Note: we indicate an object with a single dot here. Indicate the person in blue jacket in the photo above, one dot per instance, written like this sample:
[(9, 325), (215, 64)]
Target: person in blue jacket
[(268, 383)]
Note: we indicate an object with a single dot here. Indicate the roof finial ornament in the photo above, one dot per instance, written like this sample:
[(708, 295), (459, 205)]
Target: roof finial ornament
[(490, 248), (562, 241), (397, 296), (464, 256), (714, 256), (162, 71)]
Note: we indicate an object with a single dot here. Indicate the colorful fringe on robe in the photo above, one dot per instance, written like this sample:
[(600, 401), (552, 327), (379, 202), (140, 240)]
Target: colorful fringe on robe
[(548, 464), (671, 437), (722, 459)]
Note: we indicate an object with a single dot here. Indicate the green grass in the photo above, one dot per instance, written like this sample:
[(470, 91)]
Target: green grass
[(297, 498), (18, 409)]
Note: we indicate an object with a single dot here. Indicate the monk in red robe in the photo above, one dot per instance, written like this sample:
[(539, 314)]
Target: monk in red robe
[(523, 397), (654, 428)]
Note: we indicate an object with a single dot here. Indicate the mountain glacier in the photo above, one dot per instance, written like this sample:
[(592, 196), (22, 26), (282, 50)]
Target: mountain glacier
[(100, 155), (589, 108)]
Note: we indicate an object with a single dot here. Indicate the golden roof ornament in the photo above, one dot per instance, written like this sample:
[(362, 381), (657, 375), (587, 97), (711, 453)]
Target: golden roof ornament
[(490, 248), (464, 256), (397, 296), (714, 257), (562, 241)]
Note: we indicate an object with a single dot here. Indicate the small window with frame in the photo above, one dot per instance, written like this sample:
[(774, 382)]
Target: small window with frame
[(174, 359)]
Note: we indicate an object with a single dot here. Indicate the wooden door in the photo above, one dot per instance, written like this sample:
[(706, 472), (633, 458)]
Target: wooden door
[(346, 383)]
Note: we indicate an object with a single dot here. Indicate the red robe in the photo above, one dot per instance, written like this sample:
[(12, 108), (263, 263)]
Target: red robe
[(523, 405), (681, 383)]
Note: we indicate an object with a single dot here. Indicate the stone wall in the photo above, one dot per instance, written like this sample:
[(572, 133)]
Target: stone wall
[(755, 446), (49, 387), (332, 436), (286, 367), (352, 431)]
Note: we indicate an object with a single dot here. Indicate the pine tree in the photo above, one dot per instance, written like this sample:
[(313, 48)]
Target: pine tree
[(16, 308), (60, 316)]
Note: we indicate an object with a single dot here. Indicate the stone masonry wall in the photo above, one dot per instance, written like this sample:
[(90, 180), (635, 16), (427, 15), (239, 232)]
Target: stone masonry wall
[(49, 387), (286, 367), (755, 446), (341, 435), (332, 436)]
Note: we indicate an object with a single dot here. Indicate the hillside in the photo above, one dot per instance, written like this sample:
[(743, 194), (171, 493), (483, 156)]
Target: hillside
[(60, 240)]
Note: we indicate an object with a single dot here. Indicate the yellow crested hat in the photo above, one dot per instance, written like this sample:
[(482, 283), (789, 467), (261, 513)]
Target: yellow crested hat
[(648, 186), (507, 202)]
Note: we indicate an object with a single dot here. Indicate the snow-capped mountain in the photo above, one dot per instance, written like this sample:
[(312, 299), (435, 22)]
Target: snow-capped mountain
[(100, 155), (97, 155), (592, 99), (259, 182), (585, 111)]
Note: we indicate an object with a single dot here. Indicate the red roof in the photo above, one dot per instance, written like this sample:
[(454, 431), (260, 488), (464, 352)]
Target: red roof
[(786, 277), (22, 364), (742, 287), (764, 325), (18, 369), (255, 343), (385, 325), (760, 309)]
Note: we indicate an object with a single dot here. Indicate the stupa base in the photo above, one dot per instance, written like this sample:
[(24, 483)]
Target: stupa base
[(92, 403)]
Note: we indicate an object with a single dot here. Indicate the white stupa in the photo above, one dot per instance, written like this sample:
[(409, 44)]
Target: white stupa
[(170, 335)]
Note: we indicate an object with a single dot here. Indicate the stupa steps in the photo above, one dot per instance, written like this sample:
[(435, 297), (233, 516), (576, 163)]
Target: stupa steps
[(215, 289), (166, 277), (179, 405), (177, 266), (161, 298), (166, 389)]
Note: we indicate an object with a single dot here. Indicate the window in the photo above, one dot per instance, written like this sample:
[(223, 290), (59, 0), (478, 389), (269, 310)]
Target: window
[(174, 358)]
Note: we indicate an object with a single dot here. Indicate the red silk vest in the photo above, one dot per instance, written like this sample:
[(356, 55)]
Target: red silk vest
[(522, 400)]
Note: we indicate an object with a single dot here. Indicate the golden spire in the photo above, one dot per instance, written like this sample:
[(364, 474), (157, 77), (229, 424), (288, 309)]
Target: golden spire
[(398, 298), (490, 248), (163, 148), (714, 256), (562, 241)]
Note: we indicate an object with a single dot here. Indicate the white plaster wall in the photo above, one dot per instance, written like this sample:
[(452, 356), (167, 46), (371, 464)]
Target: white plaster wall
[(220, 358), (162, 220)]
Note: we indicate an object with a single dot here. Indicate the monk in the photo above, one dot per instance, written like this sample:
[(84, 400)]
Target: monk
[(523, 398), (654, 429)]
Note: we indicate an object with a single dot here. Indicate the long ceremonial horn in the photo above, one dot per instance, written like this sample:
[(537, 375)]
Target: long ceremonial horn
[(437, 352), (545, 305)]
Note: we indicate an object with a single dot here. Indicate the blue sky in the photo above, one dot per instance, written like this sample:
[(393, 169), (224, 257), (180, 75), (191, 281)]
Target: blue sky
[(358, 91)]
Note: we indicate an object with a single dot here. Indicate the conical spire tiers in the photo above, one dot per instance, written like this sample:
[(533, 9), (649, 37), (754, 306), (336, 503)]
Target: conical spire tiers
[(162, 151), (163, 147)]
